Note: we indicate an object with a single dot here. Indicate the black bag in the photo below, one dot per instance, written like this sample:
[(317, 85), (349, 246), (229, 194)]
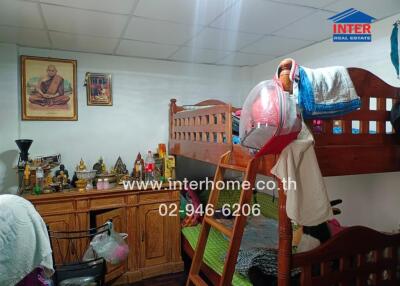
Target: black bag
[(395, 117)]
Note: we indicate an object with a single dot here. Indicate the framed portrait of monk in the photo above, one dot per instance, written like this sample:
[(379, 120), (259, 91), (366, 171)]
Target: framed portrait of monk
[(48, 89), (98, 89)]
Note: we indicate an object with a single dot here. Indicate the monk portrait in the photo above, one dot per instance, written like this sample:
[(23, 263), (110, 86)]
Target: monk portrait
[(50, 89)]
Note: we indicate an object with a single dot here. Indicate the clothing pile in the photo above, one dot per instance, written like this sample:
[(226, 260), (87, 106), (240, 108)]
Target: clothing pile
[(24, 241)]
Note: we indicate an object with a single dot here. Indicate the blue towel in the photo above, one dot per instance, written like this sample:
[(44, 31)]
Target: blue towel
[(394, 44)]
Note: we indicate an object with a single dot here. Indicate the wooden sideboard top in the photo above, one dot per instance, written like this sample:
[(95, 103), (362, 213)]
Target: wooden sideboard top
[(74, 193)]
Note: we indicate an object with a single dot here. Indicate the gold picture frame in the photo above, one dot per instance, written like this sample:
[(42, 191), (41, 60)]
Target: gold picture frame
[(48, 89), (98, 89)]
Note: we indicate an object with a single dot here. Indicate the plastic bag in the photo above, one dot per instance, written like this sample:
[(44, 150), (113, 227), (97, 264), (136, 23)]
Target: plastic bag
[(109, 245), (269, 119)]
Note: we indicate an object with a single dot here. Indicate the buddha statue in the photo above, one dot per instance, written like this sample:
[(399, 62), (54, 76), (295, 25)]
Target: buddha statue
[(100, 167), (81, 166)]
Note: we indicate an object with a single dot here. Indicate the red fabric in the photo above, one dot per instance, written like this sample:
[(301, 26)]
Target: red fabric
[(277, 144)]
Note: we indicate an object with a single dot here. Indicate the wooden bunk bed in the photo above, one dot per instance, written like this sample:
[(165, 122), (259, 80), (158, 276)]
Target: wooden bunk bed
[(205, 133)]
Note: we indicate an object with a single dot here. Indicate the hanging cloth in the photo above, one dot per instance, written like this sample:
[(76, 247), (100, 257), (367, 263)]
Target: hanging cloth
[(394, 43)]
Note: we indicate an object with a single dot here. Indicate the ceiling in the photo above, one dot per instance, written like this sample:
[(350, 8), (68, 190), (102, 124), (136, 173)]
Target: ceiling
[(222, 32)]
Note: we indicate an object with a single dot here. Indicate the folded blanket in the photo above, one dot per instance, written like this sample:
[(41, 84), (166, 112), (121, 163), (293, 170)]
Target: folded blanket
[(24, 241), (325, 92)]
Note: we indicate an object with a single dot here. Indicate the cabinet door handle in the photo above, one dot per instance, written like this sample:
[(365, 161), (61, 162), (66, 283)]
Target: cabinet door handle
[(142, 235)]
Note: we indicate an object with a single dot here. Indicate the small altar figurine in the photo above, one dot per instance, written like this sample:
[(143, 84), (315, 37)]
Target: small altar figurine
[(170, 167), (81, 166), (120, 167), (62, 180), (27, 172), (120, 171), (62, 169), (138, 168), (27, 175), (48, 180), (103, 167), (100, 167)]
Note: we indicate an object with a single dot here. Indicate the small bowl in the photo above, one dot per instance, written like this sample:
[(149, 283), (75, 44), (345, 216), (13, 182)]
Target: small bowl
[(86, 175)]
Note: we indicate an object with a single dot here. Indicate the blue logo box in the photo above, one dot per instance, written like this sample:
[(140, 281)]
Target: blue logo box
[(352, 38)]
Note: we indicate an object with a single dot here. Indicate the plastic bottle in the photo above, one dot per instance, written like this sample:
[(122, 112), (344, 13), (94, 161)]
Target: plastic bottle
[(149, 167), (100, 184), (106, 184), (39, 181)]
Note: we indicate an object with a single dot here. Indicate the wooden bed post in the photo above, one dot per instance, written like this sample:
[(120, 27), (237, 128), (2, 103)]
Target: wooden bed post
[(285, 240), (172, 111), (284, 71), (285, 226)]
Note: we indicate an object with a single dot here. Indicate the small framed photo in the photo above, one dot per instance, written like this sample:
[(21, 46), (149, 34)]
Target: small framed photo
[(98, 89), (48, 89)]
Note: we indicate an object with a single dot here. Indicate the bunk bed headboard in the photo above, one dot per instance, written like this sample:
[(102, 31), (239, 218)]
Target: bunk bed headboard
[(210, 121), (202, 131), (362, 141)]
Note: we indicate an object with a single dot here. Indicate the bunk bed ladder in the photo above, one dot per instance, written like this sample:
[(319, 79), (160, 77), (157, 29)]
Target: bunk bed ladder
[(233, 234)]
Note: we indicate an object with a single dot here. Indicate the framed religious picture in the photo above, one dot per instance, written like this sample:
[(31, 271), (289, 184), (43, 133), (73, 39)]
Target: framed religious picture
[(98, 89), (48, 89)]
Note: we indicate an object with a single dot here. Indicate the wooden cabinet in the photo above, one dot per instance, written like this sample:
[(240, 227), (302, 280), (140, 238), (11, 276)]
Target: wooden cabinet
[(154, 246), (61, 222), (153, 240)]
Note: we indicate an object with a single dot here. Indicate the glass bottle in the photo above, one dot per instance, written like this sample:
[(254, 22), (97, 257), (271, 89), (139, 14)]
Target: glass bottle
[(39, 181), (149, 167)]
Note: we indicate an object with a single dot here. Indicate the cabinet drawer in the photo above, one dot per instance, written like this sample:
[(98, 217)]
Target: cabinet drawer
[(107, 202), (55, 207), (155, 197)]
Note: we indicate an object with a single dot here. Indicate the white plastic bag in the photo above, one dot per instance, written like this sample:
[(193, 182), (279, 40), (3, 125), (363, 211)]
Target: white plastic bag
[(110, 245)]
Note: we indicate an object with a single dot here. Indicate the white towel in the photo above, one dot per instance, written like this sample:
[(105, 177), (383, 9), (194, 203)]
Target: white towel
[(24, 241), (325, 92), (307, 204)]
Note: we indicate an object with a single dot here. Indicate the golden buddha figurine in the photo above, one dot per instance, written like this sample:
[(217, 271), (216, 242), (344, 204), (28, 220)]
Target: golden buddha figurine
[(103, 166), (81, 166), (49, 180)]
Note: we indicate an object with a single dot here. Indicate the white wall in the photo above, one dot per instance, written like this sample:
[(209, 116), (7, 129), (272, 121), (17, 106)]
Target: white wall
[(9, 114), (372, 200), (137, 121)]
